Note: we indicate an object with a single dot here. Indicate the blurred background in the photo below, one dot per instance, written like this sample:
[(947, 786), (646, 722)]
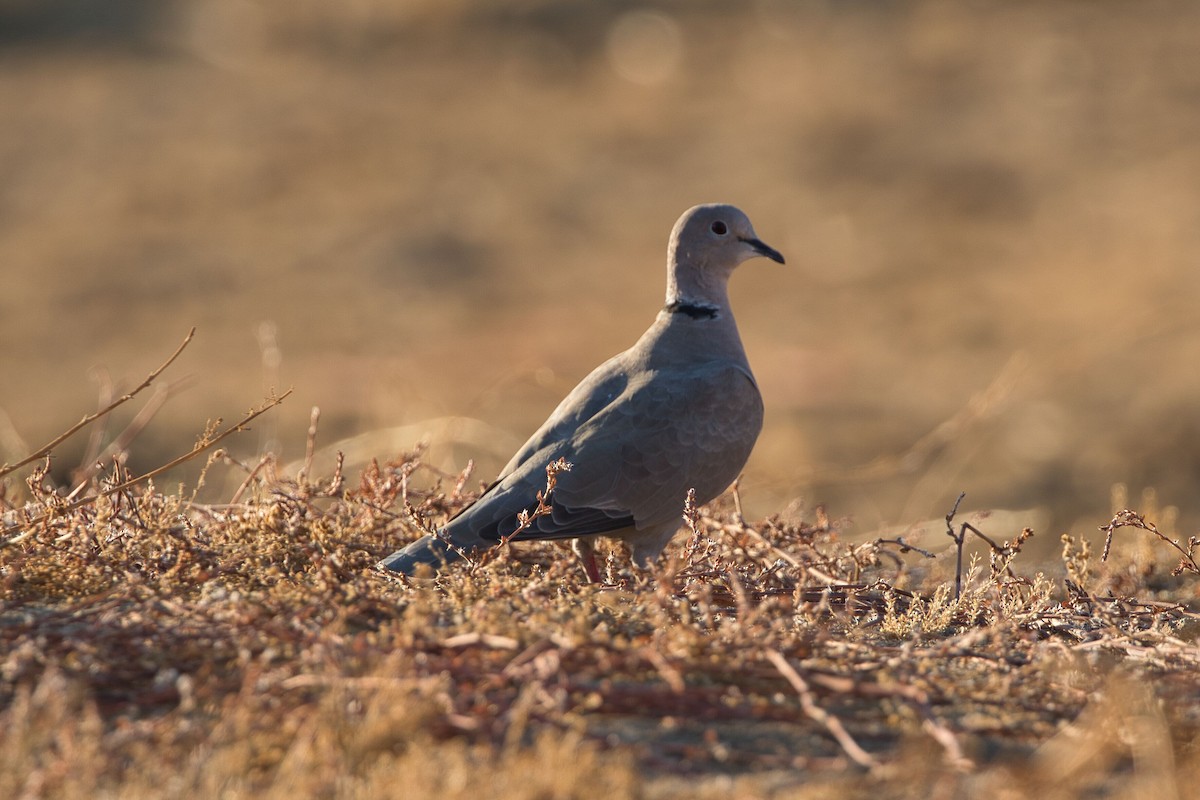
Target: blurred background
[(432, 218)]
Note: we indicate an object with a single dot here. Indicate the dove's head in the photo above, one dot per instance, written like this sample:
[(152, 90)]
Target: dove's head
[(707, 243)]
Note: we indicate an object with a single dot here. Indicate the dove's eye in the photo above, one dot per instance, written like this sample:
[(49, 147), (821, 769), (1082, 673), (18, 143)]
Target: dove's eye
[(719, 228)]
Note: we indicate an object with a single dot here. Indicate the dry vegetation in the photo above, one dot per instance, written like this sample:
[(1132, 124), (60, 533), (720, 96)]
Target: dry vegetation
[(155, 645), (448, 208)]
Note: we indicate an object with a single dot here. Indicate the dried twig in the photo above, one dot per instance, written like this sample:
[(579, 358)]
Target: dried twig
[(90, 418), (251, 475), (905, 546), (205, 442), (960, 537), (1131, 519), (125, 438), (819, 715), (310, 445), (526, 517)]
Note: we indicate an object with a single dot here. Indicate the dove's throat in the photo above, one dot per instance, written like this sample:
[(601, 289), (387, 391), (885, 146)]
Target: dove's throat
[(691, 287)]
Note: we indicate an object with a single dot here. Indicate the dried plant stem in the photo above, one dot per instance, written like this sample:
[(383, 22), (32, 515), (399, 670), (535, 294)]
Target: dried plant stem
[(90, 418), (819, 715), (251, 475), (543, 507), (310, 444), (1131, 519), (91, 453), (124, 439), (960, 538), (205, 443), (905, 547)]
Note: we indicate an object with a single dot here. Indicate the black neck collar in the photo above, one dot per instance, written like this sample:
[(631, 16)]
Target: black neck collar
[(693, 309)]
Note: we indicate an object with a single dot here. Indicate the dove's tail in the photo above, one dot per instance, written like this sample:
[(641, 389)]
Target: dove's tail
[(426, 550)]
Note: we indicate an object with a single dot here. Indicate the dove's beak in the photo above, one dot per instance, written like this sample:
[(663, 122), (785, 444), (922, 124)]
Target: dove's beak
[(763, 250)]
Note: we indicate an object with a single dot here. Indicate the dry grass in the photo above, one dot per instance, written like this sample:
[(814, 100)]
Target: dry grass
[(155, 645)]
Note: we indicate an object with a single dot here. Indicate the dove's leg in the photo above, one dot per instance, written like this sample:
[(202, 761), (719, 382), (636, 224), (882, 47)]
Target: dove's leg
[(587, 558)]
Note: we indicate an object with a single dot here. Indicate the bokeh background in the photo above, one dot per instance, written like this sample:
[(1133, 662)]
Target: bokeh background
[(431, 218)]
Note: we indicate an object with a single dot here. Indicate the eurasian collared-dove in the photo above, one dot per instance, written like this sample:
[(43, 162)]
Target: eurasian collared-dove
[(679, 410)]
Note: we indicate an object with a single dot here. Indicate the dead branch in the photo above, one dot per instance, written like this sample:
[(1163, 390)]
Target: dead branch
[(960, 537), (126, 437), (526, 517), (90, 418), (819, 715), (205, 443), (1131, 519), (905, 547)]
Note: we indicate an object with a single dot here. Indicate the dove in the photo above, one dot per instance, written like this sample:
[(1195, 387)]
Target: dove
[(678, 410)]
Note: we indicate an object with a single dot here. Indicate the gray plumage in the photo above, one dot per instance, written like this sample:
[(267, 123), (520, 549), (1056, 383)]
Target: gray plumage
[(679, 410)]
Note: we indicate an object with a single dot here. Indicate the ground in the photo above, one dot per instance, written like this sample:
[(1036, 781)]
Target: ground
[(155, 645)]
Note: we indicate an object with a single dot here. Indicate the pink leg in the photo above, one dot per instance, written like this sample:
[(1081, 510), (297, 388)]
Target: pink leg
[(587, 558), (589, 566)]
